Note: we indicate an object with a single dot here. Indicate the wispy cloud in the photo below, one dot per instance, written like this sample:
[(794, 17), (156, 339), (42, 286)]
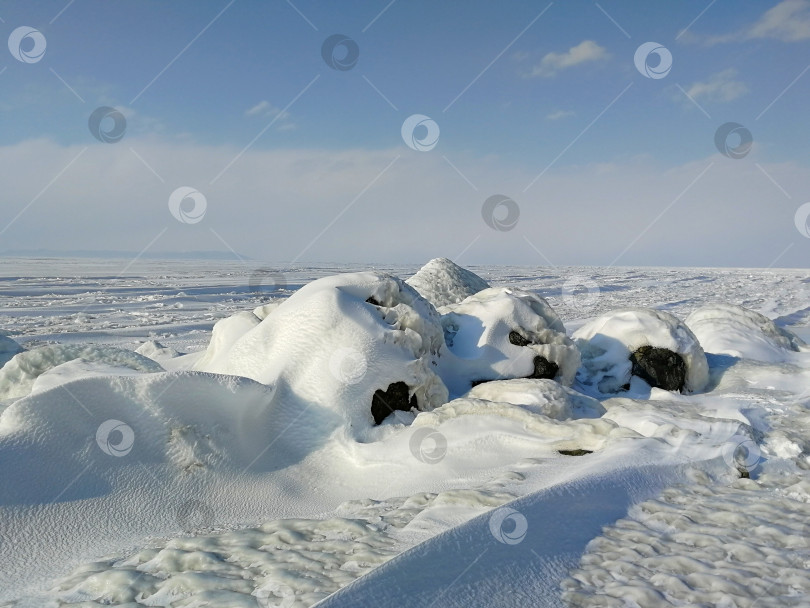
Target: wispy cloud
[(788, 21), (585, 52), (719, 88), (267, 110), (559, 114)]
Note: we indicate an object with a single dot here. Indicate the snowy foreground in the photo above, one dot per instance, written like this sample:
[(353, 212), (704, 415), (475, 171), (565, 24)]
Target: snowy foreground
[(146, 460)]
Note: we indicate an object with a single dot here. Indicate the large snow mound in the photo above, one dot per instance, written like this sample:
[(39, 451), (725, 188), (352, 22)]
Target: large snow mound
[(225, 334), (8, 348), (499, 333), (17, 377), (443, 282), (336, 342), (733, 330), (608, 341)]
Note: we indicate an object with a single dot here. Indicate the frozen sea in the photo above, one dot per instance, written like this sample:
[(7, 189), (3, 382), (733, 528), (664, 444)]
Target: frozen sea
[(654, 513)]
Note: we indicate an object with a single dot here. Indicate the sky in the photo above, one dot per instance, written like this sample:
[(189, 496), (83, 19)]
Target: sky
[(395, 131)]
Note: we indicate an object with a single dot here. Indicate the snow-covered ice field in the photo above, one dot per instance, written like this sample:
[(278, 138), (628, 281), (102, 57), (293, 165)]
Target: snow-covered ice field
[(142, 466)]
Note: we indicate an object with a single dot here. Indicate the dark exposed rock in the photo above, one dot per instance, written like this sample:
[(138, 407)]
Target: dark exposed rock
[(659, 367), (574, 452), (395, 397), (371, 300), (518, 340), (543, 368)]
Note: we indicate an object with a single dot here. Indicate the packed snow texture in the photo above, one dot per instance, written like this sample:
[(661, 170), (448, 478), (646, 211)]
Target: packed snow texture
[(17, 376), (607, 342), (127, 485), (442, 282), (733, 330), (480, 335)]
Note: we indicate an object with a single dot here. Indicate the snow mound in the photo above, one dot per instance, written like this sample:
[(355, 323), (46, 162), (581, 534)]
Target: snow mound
[(733, 330), (344, 343), (156, 351), (540, 396), (443, 282), (500, 333), (8, 348), (17, 377), (265, 309), (608, 341), (225, 334)]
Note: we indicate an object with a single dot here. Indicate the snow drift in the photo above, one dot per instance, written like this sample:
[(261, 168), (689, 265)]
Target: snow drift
[(733, 330), (608, 342), (8, 348)]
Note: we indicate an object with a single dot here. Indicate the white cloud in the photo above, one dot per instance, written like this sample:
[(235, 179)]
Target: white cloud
[(559, 114), (788, 21), (265, 109), (721, 87), (271, 203), (586, 51)]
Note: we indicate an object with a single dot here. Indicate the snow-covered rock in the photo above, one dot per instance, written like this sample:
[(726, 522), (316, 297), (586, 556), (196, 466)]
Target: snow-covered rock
[(607, 343), (339, 341), (442, 282), (502, 333), (17, 377), (733, 330), (541, 396), (8, 348)]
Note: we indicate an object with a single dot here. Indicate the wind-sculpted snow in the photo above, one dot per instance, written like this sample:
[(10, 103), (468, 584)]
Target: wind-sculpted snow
[(499, 333), (608, 341), (334, 343), (733, 330), (442, 282), (17, 377), (268, 483)]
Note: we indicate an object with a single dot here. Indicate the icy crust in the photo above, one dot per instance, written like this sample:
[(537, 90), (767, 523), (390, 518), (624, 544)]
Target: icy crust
[(540, 396), (743, 544), (292, 563), (8, 348), (17, 377), (337, 341), (607, 342), (733, 330), (442, 282), (479, 346)]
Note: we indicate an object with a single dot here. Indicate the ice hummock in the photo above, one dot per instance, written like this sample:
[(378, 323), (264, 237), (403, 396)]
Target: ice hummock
[(442, 282)]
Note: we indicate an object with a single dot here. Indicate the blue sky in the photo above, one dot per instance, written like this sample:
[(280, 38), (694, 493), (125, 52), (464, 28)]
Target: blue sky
[(518, 89)]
